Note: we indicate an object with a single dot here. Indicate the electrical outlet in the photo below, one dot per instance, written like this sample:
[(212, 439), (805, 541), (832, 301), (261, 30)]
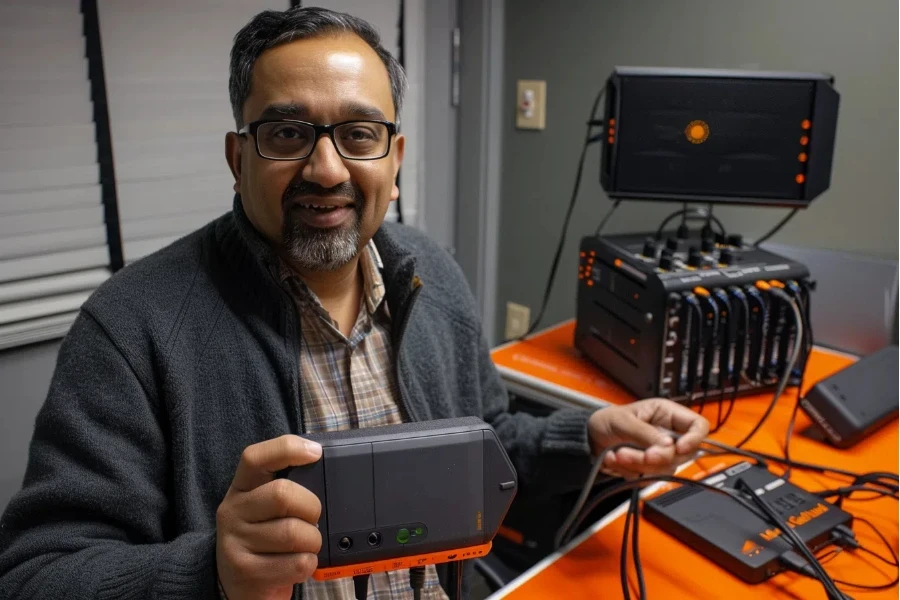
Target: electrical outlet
[(518, 318), (531, 104)]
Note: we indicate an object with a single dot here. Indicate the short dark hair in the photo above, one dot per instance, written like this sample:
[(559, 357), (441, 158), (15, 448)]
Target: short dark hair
[(272, 28)]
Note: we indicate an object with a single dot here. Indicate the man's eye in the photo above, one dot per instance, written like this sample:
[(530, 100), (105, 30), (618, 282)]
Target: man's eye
[(289, 133), (360, 134)]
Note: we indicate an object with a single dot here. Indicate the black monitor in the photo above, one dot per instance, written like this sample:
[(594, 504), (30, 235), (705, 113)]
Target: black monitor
[(718, 136)]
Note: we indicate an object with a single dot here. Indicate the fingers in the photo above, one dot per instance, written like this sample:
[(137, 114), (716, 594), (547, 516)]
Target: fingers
[(631, 463), (257, 571), (260, 461), (692, 427), (629, 426), (278, 499), (288, 536)]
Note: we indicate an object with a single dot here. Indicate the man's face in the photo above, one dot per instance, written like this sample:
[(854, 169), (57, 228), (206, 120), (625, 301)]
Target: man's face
[(318, 212)]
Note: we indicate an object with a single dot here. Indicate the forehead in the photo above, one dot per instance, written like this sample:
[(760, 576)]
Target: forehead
[(323, 76)]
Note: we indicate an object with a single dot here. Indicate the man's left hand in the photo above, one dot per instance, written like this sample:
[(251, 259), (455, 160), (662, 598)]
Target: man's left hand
[(638, 423)]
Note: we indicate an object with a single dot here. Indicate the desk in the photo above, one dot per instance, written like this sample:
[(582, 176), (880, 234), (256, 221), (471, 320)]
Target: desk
[(547, 367)]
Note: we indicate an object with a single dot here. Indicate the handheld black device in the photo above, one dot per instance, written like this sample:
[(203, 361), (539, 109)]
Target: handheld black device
[(408, 495)]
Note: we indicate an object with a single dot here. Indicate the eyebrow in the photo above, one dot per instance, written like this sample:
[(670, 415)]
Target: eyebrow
[(349, 110)]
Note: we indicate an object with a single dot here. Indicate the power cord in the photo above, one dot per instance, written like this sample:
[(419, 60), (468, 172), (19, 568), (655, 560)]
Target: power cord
[(776, 229), (606, 218), (588, 140)]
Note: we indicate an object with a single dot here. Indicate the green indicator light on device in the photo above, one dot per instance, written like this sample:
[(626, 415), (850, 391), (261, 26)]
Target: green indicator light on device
[(403, 536), (419, 531)]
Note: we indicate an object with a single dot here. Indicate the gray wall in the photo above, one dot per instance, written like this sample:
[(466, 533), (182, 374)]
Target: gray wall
[(24, 380), (574, 45)]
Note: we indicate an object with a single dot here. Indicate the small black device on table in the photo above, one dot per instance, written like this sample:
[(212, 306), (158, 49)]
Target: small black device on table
[(737, 539), (406, 496)]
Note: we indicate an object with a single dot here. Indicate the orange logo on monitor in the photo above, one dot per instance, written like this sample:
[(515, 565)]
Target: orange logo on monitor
[(696, 131)]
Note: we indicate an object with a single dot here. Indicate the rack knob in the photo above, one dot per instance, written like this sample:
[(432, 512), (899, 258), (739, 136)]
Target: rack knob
[(695, 259), (726, 257)]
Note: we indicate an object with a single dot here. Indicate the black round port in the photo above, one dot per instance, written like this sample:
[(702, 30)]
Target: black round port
[(344, 543), (374, 539)]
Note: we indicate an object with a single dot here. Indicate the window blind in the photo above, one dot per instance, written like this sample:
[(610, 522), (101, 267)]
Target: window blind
[(53, 243), (166, 68)]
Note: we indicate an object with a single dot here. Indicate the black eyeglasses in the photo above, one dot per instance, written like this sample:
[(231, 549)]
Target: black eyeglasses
[(279, 139)]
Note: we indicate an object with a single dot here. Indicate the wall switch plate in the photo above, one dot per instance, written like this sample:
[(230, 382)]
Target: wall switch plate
[(531, 104), (518, 318)]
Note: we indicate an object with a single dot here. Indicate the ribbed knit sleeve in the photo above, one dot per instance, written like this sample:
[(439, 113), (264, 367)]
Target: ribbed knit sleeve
[(92, 516)]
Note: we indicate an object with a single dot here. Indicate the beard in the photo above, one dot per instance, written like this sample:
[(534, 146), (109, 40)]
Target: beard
[(317, 249)]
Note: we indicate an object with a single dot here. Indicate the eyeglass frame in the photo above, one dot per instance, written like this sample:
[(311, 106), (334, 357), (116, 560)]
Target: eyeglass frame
[(254, 126)]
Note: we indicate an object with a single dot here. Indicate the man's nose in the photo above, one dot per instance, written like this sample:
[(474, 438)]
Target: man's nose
[(325, 166)]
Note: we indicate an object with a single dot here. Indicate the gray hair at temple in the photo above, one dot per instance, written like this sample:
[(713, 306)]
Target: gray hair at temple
[(272, 28)]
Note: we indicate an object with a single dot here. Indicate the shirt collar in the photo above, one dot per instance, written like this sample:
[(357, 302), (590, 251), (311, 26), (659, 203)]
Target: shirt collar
[(373, 282)]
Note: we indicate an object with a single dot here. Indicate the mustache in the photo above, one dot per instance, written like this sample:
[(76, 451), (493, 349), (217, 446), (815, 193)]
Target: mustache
[(308, 188)]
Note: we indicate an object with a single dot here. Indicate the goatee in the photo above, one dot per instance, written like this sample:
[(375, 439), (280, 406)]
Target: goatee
[(314, 248)]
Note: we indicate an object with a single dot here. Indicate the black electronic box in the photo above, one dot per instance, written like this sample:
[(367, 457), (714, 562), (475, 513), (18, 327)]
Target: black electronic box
[(687, 319), (407, 490), (735, 538)]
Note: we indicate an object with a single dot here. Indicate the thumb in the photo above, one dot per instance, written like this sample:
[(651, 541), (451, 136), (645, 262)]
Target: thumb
[(641, 433)]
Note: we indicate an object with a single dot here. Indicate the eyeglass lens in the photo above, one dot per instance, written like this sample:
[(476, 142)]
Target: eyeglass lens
[(281, 140)]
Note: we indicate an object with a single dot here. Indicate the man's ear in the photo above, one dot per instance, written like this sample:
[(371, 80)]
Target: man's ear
[(399, 149), (233, 151)]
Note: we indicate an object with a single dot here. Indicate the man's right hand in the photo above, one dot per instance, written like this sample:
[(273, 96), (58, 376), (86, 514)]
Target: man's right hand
[(266, 534)]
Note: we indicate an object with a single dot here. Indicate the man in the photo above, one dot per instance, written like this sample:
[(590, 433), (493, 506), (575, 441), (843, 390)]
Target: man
[(189, 378)]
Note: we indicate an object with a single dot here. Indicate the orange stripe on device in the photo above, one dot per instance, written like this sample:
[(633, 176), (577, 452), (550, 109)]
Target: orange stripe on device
[(402, 562)]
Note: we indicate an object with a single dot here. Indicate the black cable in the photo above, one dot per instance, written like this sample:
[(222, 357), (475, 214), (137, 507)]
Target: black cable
[(685, 214), (709, 348), (606, 218), (361, 586), (799, 545), (566, 527), (892, 563), (884, 540), (635, 548), (739, 368), (775, 229), (782, 383), (696, 339), (806, 313), (623, 554), (627, 484), (562, 237), (417, 581), (796, 463), (455, 580), (846, 492)]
